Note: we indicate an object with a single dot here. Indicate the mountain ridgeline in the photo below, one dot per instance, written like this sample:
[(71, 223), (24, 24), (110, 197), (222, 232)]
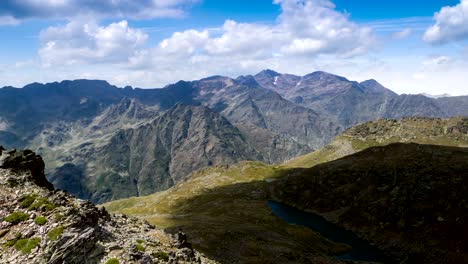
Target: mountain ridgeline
[(101, 142)]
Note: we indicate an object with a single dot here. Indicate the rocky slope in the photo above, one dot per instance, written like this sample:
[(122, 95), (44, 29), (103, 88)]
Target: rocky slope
[(147, 157), (408, 199), (39, 224)]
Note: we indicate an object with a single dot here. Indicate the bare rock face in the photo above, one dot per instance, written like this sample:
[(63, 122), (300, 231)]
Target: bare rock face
[(25, 161), (41, 225)]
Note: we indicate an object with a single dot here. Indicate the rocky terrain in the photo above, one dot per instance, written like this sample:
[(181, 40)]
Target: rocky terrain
[(272, 117), (152, 156), (39, 224)]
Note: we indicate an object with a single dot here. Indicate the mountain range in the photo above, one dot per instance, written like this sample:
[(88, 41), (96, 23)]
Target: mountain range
[(101, 142)]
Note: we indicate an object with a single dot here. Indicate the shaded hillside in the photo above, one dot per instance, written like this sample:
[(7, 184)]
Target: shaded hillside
[(409, 199), (41, 225)]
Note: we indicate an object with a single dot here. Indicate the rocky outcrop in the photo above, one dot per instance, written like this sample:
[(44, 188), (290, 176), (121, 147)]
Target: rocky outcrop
[(41, 225), (26, 162)]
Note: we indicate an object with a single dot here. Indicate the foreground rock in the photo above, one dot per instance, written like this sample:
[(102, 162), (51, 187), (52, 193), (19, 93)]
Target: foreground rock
[(41, 225)]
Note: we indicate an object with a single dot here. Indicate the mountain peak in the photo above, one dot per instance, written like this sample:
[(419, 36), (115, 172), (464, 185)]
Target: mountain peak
[(321, 75), (374, 86), (270, 73)]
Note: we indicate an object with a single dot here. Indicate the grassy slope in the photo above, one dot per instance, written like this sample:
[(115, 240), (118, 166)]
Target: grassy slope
[(224, 212), (224, 208)]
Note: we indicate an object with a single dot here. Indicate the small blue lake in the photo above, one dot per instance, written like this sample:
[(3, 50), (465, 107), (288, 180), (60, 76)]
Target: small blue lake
[(362, 250)]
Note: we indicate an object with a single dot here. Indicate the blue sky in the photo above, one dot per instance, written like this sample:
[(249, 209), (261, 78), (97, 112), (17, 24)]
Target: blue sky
[(409, 46)]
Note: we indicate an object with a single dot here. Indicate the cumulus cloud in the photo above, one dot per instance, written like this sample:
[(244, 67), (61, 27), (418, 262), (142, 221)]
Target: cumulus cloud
[(451, 24), (306, 28), (135, 9), (86, 42)]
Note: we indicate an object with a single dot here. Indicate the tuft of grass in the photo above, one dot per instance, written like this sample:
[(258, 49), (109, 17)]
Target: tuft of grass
[(16, 217), (40, 220), (26, 200), (112, 261), (140, 247), (42, 204), (58, 216), (12, 242), (161, 255), (140, 241), (25, 245), (55, 233)]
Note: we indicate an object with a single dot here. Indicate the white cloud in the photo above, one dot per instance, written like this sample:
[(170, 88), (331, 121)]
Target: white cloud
[(402, 34), (86, 42), (451, 24), (135, 9), (315, 27), (304, 29)]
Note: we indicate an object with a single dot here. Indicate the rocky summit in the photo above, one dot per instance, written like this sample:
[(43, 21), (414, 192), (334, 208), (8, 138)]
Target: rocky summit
[(40, 224)]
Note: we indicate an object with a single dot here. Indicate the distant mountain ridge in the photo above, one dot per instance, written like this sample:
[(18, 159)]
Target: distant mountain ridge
[(277, 117)]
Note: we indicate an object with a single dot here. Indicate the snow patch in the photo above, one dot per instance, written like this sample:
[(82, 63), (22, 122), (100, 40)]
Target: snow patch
[(275, 82)]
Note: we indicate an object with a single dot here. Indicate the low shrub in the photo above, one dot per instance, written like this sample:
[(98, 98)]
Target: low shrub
[(53, 234), (40, 220), (161, 255), (42, 204), (112, 261), (16, 217), (26, 200), (25, 245)]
